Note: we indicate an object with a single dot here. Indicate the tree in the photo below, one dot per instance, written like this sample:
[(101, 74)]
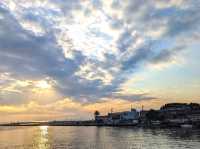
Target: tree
[(96, 113), (153, 115), (194, 106)]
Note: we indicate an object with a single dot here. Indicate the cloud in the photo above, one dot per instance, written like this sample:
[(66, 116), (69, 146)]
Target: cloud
[(90, 72), (90, 48), (64, 109), (133, 97)]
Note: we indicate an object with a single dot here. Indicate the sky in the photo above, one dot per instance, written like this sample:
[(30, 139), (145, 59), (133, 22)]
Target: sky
[(64, 59)]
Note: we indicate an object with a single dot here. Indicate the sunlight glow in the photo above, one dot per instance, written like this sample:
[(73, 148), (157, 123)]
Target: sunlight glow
[(43, 139), (43, 84), (44, 130)]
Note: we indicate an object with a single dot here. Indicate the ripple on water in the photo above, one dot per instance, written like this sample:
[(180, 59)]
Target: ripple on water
[(45, 137)]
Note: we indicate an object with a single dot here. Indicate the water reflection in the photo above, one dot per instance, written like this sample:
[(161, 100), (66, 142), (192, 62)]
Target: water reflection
[(42, 139), (45, 137)]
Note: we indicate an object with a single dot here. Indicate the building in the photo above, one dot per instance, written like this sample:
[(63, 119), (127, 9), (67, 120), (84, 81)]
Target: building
[(179, 110), (175, 107), (126, 117), (102, 119)]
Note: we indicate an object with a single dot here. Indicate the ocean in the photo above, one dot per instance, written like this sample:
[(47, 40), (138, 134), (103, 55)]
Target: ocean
[(70, 137)]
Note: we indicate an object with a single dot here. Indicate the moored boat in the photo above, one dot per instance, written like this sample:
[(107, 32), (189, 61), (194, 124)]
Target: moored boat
[(186, 126)]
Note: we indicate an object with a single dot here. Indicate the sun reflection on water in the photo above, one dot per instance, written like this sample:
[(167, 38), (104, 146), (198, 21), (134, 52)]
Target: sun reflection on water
[(44, 130), (42, 139)]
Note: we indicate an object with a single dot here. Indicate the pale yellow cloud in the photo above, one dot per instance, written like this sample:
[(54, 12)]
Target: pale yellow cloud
[(128, 87), (41, 91), (12, 109), (61, 109)]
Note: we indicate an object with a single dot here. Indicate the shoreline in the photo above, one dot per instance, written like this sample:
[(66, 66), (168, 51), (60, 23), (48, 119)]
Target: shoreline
[(83, 123)]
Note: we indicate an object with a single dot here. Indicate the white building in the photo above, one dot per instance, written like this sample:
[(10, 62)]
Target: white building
[(126, 117)]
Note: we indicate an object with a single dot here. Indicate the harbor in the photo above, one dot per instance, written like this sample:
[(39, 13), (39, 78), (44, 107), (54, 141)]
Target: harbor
[(168, 116)]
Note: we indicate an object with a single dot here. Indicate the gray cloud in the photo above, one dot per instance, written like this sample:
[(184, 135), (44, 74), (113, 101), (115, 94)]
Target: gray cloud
[(29, 56), (134, 97)]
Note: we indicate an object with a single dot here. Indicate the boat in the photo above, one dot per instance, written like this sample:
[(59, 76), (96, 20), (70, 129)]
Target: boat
[(186, 126)]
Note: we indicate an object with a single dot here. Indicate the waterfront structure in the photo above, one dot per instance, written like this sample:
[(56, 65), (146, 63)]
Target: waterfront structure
[(102, 119), (125, 117), (177, 114), (169, 115), (180, 110)]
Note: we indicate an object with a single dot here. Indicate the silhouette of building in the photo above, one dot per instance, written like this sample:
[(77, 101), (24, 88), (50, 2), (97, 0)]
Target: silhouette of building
[(125, 117)]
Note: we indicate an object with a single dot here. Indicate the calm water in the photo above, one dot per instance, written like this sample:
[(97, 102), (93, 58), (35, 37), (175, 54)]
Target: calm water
[(44, 137)]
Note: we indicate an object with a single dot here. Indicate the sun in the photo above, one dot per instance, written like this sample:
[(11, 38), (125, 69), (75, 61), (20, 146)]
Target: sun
[(43, 84)]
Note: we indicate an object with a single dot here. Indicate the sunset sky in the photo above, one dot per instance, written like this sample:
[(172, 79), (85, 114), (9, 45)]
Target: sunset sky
[(63, 59)]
